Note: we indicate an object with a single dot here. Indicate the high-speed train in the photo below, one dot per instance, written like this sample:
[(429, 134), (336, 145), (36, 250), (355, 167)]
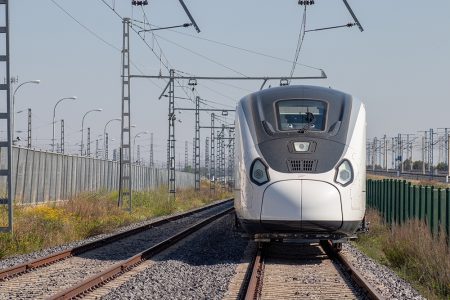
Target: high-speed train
[(300, 164)]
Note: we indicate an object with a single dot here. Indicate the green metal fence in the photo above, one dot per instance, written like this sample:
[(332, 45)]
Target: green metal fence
[(399, 201)]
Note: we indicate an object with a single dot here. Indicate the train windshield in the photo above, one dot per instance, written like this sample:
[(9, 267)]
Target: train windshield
[(301, 115)]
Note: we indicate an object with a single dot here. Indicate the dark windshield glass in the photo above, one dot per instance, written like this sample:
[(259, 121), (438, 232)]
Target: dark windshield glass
[(301, 115)]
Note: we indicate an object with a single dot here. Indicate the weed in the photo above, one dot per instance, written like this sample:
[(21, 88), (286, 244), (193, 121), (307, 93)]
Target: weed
[(42, 226), (412, 251)]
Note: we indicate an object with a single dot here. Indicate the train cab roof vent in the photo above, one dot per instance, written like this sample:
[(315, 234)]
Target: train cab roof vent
[(302, 165)]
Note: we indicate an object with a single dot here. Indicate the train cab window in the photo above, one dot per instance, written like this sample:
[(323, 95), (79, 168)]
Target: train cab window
[(301, 115)]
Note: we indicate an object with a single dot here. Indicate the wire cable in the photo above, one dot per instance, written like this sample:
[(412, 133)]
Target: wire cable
[(301, 38), (201, 55), (161, 54), (84, 26), (245, 50), (93, 33)]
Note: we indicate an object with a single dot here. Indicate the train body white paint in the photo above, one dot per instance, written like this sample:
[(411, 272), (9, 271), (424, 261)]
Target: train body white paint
[(300, 163)]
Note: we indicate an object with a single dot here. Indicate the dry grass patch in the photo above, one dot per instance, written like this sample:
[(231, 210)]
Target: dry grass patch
[(420, 256), (43, 226), (412, 251)]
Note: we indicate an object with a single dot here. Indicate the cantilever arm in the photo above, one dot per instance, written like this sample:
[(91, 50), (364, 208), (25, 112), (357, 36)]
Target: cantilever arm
[(353, 15), (189, 15)]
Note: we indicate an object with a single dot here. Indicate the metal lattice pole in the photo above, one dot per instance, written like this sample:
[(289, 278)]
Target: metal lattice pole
[(197, 144), (151, 151), (29, 129), (374, 144), (212, 175), (447, 136), (207, 156), (193, 156), (125, 140), (186, 155), (62, 137), (171, 141), (393, 152), (446, 148), (219, 157), (168, 157), (400, 152), (88, 147), (424, 145), (5, 142), (430, 152), (222, 156), (106, 146), (385, 149), (138, 154)]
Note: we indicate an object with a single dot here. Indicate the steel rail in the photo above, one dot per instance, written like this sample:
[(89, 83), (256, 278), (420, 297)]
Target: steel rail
[(357, 277), (125, 266), (53, 258), (253, 288)]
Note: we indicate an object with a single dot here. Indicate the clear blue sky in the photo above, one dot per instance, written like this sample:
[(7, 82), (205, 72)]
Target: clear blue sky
[(398, 66)]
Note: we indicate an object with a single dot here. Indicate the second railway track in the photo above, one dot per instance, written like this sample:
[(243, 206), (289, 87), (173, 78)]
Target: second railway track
[(57, 275)]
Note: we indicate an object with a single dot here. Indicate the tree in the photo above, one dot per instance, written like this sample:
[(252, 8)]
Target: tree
[(407, 164), (441, 166), (417, 165), (188, 169)]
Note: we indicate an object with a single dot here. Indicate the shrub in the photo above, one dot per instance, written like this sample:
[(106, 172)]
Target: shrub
[(412, 251), (421, 256)]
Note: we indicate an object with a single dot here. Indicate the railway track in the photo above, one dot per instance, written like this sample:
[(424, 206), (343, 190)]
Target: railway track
[(292, 271), (75, 272)]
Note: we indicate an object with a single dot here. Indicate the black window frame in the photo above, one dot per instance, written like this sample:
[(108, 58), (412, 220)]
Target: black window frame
[(278, 116)]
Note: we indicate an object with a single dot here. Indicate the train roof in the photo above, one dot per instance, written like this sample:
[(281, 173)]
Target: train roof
[(298, 91)]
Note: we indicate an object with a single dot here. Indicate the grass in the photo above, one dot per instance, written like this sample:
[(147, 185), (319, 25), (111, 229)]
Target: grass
[(412, 252), (47, 225)]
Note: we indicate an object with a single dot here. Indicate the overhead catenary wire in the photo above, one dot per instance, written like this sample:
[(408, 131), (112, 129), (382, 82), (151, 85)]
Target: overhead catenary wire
[(301, 38), (167, 64), (246, 50), (97, 36), (161, 54), (143, 39), (201, 55), (84, 26)]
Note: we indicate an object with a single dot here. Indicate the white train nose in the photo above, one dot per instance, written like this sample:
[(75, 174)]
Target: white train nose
[(304, 204)]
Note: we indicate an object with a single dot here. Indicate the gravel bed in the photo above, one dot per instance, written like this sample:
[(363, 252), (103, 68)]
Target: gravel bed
[(387, 283), (202, 267), (19, 259), (199, 268)]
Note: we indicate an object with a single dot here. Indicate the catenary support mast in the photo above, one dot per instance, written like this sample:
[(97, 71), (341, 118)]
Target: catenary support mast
[(125, 140)]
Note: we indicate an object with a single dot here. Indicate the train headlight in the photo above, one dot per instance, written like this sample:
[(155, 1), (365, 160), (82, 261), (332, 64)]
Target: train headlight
[(258, 172), (344, 173)]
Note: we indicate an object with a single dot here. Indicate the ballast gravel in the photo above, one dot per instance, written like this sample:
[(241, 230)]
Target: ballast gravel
[(203, 265), (20, 259), (199, 268)]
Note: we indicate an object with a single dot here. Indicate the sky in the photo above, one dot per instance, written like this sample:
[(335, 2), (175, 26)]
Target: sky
[(398, 66)]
